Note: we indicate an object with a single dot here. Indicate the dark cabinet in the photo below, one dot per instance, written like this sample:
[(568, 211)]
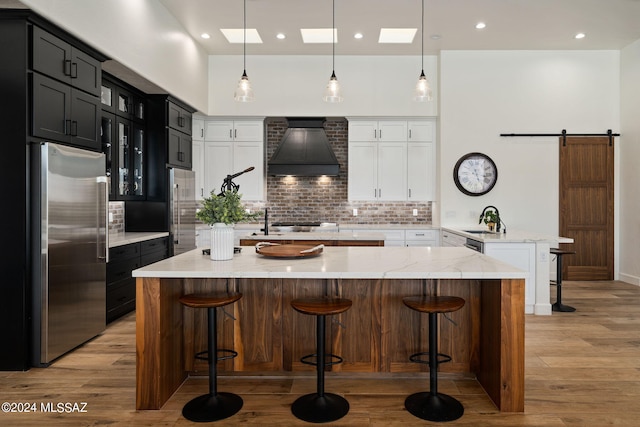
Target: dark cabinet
[(121, 285), (179, 149), (65, 114), (60, 60), (170, 125), (108, 138), (179, 118), (129, 153)]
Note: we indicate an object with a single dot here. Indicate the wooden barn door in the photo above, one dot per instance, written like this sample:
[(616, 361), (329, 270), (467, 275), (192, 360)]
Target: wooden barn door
[(586, 207)]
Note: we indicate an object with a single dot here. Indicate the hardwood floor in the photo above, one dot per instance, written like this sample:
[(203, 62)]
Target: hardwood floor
[(582, 369)]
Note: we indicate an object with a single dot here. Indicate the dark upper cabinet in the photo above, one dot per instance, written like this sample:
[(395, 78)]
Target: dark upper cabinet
[(63, 62), (128, 162), (108, 138), (179, 149), (117, 97), (63, 113), (179, 118)]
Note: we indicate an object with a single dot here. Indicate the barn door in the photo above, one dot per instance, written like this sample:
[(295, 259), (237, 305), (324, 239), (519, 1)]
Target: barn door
[(586, 207)]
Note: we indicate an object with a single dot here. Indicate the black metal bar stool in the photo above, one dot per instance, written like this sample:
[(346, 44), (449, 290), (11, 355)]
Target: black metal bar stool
[(431, 405), (320, 407), (558, 306), (213, 406)]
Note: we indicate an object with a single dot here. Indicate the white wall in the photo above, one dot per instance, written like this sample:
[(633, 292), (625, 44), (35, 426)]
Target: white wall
[(486, 93), (139, 34), (294, 85), (629, 175)]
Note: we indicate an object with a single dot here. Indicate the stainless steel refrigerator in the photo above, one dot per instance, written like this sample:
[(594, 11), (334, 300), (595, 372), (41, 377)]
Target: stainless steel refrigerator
[(182, 209), (69, 229)]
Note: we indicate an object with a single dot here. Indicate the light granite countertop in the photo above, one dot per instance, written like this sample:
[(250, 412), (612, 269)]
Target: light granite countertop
[(329, 236), (340, 263), (511, 236), (119, 239)]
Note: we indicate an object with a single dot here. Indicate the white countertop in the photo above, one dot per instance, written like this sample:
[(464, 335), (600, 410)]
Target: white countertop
[(339, 262), (327, 236), (119, 239), (511, 236)]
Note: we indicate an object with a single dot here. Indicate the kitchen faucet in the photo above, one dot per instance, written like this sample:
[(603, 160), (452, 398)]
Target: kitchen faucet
[(497, 214), (266, 222)]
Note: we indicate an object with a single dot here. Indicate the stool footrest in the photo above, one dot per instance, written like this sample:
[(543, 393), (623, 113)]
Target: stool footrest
[(419, 358), (334, 359), (228, 354)]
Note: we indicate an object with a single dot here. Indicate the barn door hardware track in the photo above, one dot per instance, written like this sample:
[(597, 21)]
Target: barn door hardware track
[(564, 135)]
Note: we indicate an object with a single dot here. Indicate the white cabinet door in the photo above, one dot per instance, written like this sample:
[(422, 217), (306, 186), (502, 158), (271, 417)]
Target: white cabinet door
[(197, 164), (197, 129), (248, 131), (392, 131), (247, 154), (420, 171), (363, 131), (392, 166), (218, 130), (218, 157), (421, 131), (522, 256), (363, 171)]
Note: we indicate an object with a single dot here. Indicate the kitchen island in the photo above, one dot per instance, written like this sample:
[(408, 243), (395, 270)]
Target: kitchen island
[(337, 238), (376, 335)]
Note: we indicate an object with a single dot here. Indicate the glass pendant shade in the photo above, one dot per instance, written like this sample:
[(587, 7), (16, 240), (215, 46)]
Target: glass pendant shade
[(332, 92), (243, 92), (423, 90)]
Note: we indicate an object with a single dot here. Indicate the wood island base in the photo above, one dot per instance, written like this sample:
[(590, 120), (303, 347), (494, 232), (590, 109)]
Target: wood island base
[(376, 335)]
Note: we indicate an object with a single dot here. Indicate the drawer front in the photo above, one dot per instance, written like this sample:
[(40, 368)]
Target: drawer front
[(154, 245), (422, 235), (152, 257), (119, 253), (121, 298), (121, 269)]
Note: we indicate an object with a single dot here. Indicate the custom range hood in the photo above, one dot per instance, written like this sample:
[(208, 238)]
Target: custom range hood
[(304, 150)]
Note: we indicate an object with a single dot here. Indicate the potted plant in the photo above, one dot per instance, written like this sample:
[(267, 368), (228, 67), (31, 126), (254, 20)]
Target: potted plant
[(221, 212), (491, 219)]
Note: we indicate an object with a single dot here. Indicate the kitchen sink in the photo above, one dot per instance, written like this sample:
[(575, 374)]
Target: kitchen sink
[(479, 231)]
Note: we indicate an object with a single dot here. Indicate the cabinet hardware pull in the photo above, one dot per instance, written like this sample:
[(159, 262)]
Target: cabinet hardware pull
[(202, 133), (230, 133), (409, 193), (74, 128), (409, 133), (375, 134), (74, 70), (67, 67), (67, 127), (235, 133)]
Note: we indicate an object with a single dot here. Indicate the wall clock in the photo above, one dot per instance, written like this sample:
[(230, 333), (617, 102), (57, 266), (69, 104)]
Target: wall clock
[(475, 174)]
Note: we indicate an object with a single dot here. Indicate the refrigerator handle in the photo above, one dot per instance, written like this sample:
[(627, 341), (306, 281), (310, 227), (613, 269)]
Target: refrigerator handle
[(176, 214), (103, 210)]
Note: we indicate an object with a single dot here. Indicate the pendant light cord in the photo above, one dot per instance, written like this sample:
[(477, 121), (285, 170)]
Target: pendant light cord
[(333, 38), (244, 38), (422, 36)]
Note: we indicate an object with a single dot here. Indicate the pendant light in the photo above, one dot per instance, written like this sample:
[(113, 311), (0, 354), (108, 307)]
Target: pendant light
[(243, 92), (332, 91), (422, 92)]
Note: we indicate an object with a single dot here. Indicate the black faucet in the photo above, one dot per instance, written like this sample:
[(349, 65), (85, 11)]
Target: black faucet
[(497, 214), (266, 222)]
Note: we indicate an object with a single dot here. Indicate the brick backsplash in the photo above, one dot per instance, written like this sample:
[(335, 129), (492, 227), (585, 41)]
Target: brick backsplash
[(325, 198), (116, 212)]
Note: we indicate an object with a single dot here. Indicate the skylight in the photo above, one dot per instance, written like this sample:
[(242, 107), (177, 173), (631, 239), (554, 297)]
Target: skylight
[(236, 35), (397, 35), (319, 35)]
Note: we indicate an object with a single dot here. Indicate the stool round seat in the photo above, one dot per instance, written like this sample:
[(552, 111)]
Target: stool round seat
[(433, 304), (557, 251), (211, 300), (214, 405), (321, 306)]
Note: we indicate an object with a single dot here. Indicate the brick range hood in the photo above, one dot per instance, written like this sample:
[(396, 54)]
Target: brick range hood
[(304, 150)]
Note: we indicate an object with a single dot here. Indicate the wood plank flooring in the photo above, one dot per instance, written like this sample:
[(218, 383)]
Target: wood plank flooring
[(582, 369)]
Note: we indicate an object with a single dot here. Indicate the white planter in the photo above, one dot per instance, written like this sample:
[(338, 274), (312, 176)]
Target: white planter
[(221, 242)]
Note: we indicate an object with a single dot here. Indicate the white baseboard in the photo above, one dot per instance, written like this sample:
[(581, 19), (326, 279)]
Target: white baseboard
[(628, 278)]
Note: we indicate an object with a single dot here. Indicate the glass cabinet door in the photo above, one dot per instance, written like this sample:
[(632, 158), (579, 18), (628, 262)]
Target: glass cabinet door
[(106, 135), (124, 103), (138, 161), (124, 161)]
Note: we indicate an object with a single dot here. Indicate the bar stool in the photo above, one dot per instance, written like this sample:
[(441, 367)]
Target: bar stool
[(213, 406), (558, 306), (320, 407), (431, 405)]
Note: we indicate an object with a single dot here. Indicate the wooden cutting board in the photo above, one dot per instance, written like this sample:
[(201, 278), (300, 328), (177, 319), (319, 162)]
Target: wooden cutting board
[(289, 251)]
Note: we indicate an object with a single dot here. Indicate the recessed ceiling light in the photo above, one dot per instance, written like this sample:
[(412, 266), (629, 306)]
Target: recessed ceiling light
[(205, 36), (480, 25), (319, 35), (397, 35), (358, 36), (580, 35), (236, 35), (281, 36)]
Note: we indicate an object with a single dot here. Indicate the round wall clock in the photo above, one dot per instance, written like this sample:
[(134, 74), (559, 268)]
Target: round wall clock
[(475, 174)]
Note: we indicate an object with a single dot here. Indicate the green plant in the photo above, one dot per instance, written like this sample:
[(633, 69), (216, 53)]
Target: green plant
[(490, 216), (225, 208)]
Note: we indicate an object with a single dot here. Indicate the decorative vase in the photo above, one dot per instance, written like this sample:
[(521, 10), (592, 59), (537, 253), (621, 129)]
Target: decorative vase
[(221, 241)]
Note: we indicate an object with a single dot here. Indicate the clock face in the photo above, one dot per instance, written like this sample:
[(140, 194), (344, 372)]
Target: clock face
[(475, 174)]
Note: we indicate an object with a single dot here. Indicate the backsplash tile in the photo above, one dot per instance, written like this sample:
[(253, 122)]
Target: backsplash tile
[(325, 198), (116, 214)]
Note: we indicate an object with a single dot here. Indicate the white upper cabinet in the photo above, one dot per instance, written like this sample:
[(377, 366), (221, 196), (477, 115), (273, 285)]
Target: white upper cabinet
[(197, 129), (228, 147), (391, 160)]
